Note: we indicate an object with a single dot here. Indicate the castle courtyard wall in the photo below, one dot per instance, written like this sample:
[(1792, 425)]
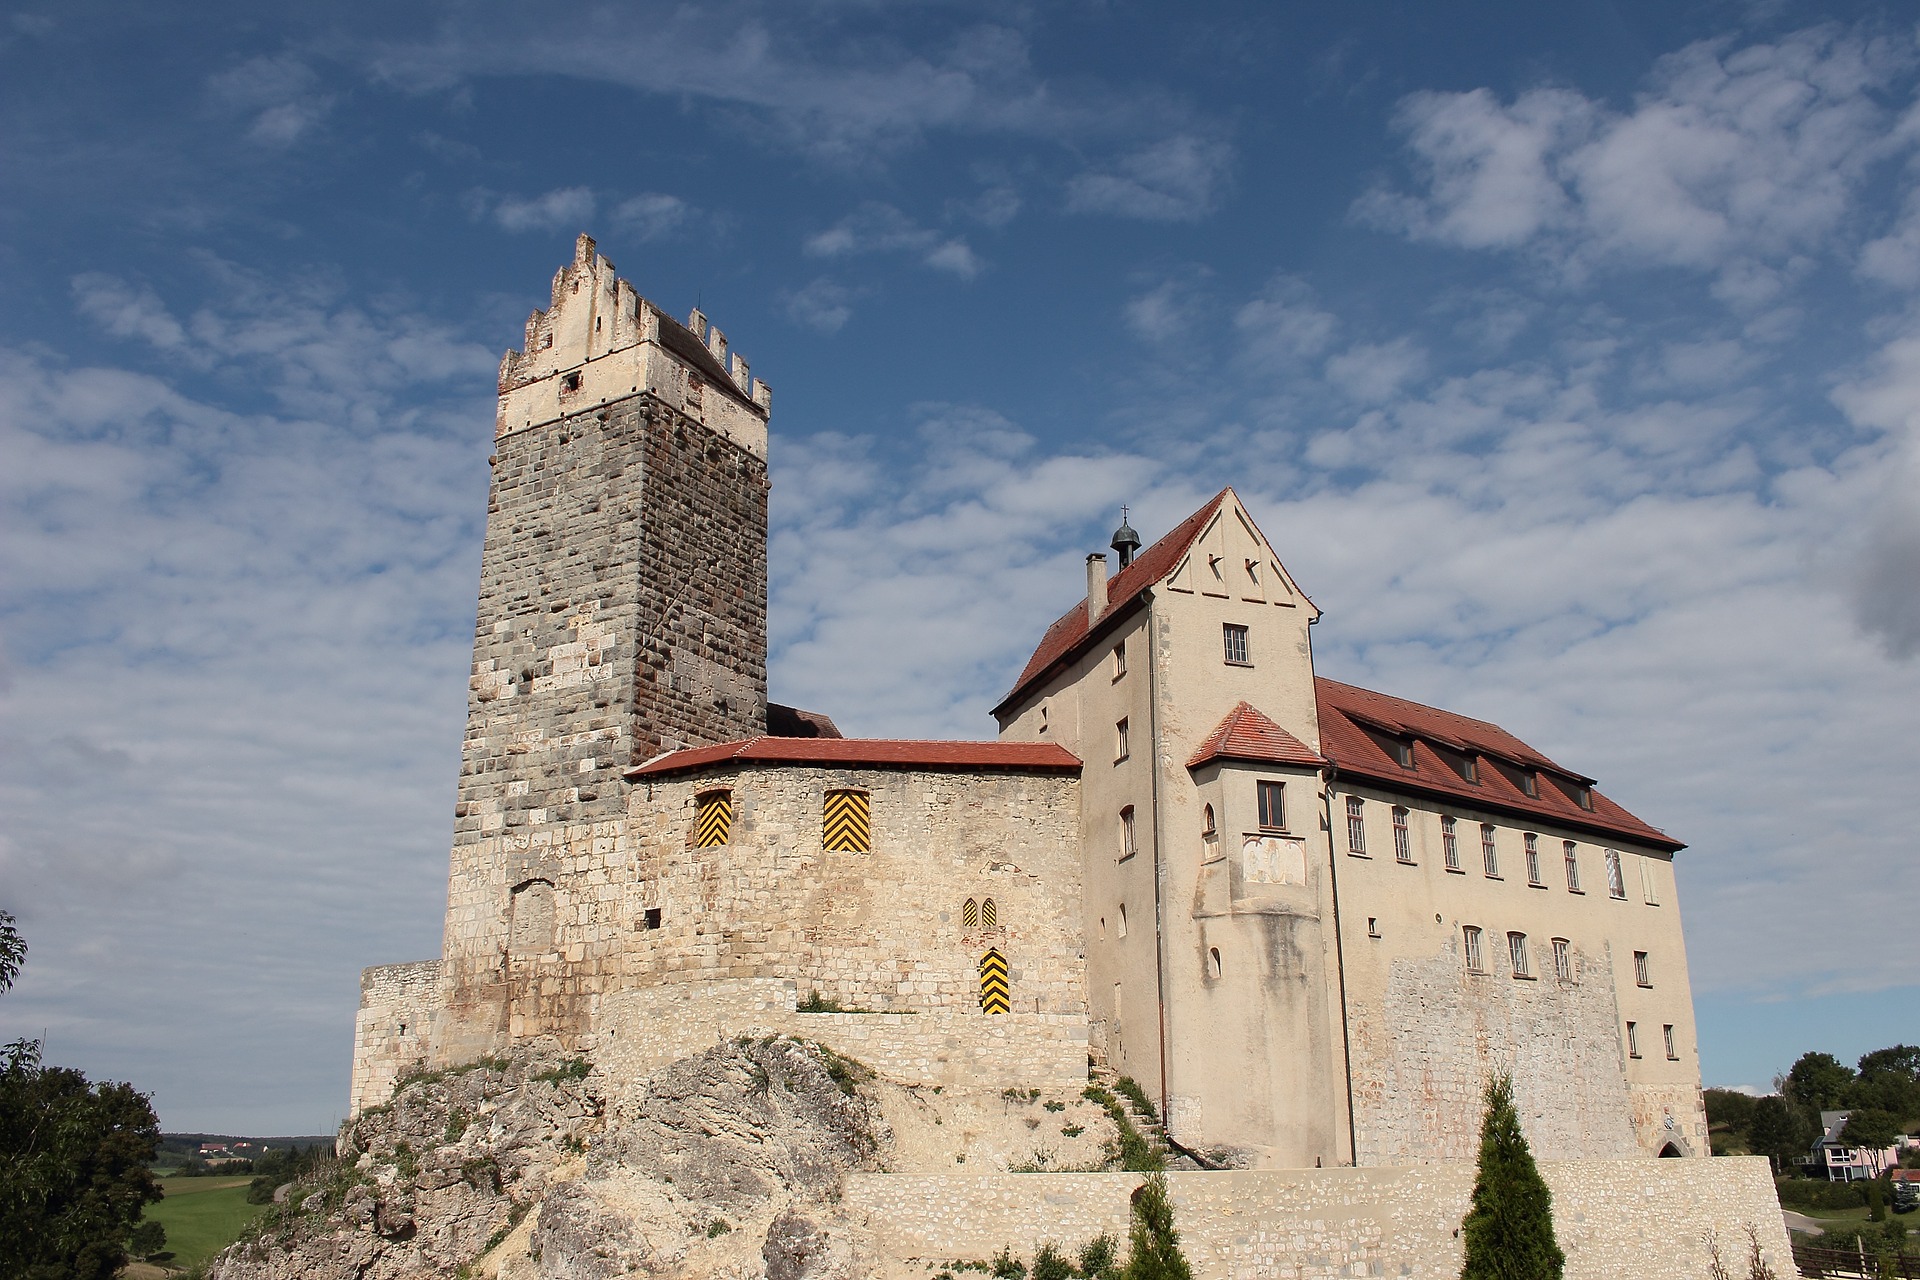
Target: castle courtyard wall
[(1649, 1219), (393, 1030)]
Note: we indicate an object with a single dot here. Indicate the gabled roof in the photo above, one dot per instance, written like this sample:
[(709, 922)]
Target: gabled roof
[(1347, 711), (878, 753), (1072, 629), (1246, 734)]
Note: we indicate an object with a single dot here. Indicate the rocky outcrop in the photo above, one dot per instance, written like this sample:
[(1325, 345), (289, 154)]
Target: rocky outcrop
[(727, 1163)]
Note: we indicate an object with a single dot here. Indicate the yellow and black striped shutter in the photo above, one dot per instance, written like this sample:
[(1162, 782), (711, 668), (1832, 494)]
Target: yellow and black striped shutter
[(989, 914), (993, 982), (713, 823), (846, 826), (970, 913)]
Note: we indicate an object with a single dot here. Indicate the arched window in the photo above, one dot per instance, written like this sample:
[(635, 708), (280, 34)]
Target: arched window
[(1123, 920), (1208, 831), (993, 983), (970, 913), (713, 819), (1213, 962), (530, 918), (846, 823), (989, 914)]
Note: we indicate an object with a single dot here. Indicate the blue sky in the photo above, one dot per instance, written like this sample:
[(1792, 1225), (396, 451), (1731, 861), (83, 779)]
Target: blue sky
[(1570, 359)]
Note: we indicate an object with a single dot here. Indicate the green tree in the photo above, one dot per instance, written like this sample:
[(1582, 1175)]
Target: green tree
[(1870, 1128), (1509, 1229), (74, 1180), (1780, 1131), (1154, 1245), (1819, 1082), (1729, 1113)]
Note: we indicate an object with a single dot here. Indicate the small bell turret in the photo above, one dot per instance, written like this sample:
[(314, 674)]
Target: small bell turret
[(1125, 540)]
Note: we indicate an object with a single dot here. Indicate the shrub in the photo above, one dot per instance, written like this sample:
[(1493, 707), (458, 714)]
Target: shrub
[(1008, 1267), (1051, 1264), (1509, 1229), (1100, 1257), (1137, 1096), (1154, 1244)]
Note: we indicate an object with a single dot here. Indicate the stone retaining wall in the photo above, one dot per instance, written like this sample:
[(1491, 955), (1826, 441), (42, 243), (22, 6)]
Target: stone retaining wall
[(1639, 1218)]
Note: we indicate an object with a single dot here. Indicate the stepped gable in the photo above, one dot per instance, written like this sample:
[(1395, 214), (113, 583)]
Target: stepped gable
[(1064, 639), (1347, 712), (1247, 734), (873, 753)]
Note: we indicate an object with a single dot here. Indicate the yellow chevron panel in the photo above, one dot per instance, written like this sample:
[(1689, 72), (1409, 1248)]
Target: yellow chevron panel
[(713, 825), (993, 983), (846, 824)]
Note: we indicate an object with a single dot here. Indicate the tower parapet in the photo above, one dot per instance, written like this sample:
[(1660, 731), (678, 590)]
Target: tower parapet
[(599, 341)]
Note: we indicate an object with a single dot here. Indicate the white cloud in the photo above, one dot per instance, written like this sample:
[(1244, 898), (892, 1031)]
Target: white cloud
[(1283, 325), (651, 216), (1179, 179), (881, 228), (1733, 160), (282, 95), (562, 209), (823, 305), (1172, 307), (126, 310), (1372, 372)]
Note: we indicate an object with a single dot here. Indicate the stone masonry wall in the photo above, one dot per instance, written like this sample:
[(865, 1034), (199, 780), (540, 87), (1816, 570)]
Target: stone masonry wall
[(568, 915), (1422, 1055), (622, 611), (393, 1029), (1643, 1218), (640, 1031)]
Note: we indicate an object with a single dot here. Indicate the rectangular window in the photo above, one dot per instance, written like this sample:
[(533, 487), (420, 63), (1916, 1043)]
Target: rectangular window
[(1234, 637), (1356, 826), (1402, 841), (713, 819), (1562, 960), (1126, 833), (846, 824), (1648, 887), (1573, 866), (1120, 749), (1517, 949), (1450, 841), (1119, 659), (1633, 1039), (1529, 783), (1533, 859), (1640, 974), (1488, 854), (1470, 938), (1616, 881), (1666, 1033), (1273, 805)]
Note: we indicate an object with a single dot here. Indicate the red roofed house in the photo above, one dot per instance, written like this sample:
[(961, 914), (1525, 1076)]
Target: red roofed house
[(1309, 918), (1318, 917)]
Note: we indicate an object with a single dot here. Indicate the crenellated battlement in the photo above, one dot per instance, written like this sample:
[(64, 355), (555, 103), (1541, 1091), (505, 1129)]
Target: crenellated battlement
[(599, 341)]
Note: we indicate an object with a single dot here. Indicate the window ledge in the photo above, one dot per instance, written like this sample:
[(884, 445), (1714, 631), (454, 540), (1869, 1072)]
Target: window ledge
[(1356, 853), (1273, 831), (1231, 663), (1581, 892), (1536, 884), (1455, 871), (1525, 977)]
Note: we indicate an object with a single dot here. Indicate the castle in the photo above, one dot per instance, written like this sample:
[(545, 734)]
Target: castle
[(1308, 918)]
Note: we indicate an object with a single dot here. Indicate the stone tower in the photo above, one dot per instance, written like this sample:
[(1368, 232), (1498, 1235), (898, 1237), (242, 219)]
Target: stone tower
[(623, 599)]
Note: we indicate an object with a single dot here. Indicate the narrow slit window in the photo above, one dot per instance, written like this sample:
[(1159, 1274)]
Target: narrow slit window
[(1126, 833), (1273, 805), (1642, 976), (847, 822), (1356, 826), (1666, 1033), (1121, 749), (1119, 659), (713, 819), (1450, 840), (1402, 840), (1633, 1039)]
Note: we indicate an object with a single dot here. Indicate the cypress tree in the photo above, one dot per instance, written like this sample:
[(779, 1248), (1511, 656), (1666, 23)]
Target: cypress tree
[(1509, 1230), (1154, 1252)]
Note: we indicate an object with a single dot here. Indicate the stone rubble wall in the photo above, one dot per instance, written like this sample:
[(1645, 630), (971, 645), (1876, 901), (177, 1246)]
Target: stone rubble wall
[(393, 1030), (641, 1031), (1648, 1219)]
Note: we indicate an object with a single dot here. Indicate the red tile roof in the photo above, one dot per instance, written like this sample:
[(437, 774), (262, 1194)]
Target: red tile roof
[(880, 753), (1246, 734), (1071, 630), (1346, 711)]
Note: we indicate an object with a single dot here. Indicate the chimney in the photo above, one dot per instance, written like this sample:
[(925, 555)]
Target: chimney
[(1096, 587)]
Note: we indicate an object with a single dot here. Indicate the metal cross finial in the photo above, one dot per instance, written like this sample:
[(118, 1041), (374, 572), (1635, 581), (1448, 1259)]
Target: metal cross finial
[(1123, 513)]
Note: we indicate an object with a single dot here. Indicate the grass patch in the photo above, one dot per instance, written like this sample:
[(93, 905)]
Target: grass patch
[(202, 1216), (571, 1069)]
